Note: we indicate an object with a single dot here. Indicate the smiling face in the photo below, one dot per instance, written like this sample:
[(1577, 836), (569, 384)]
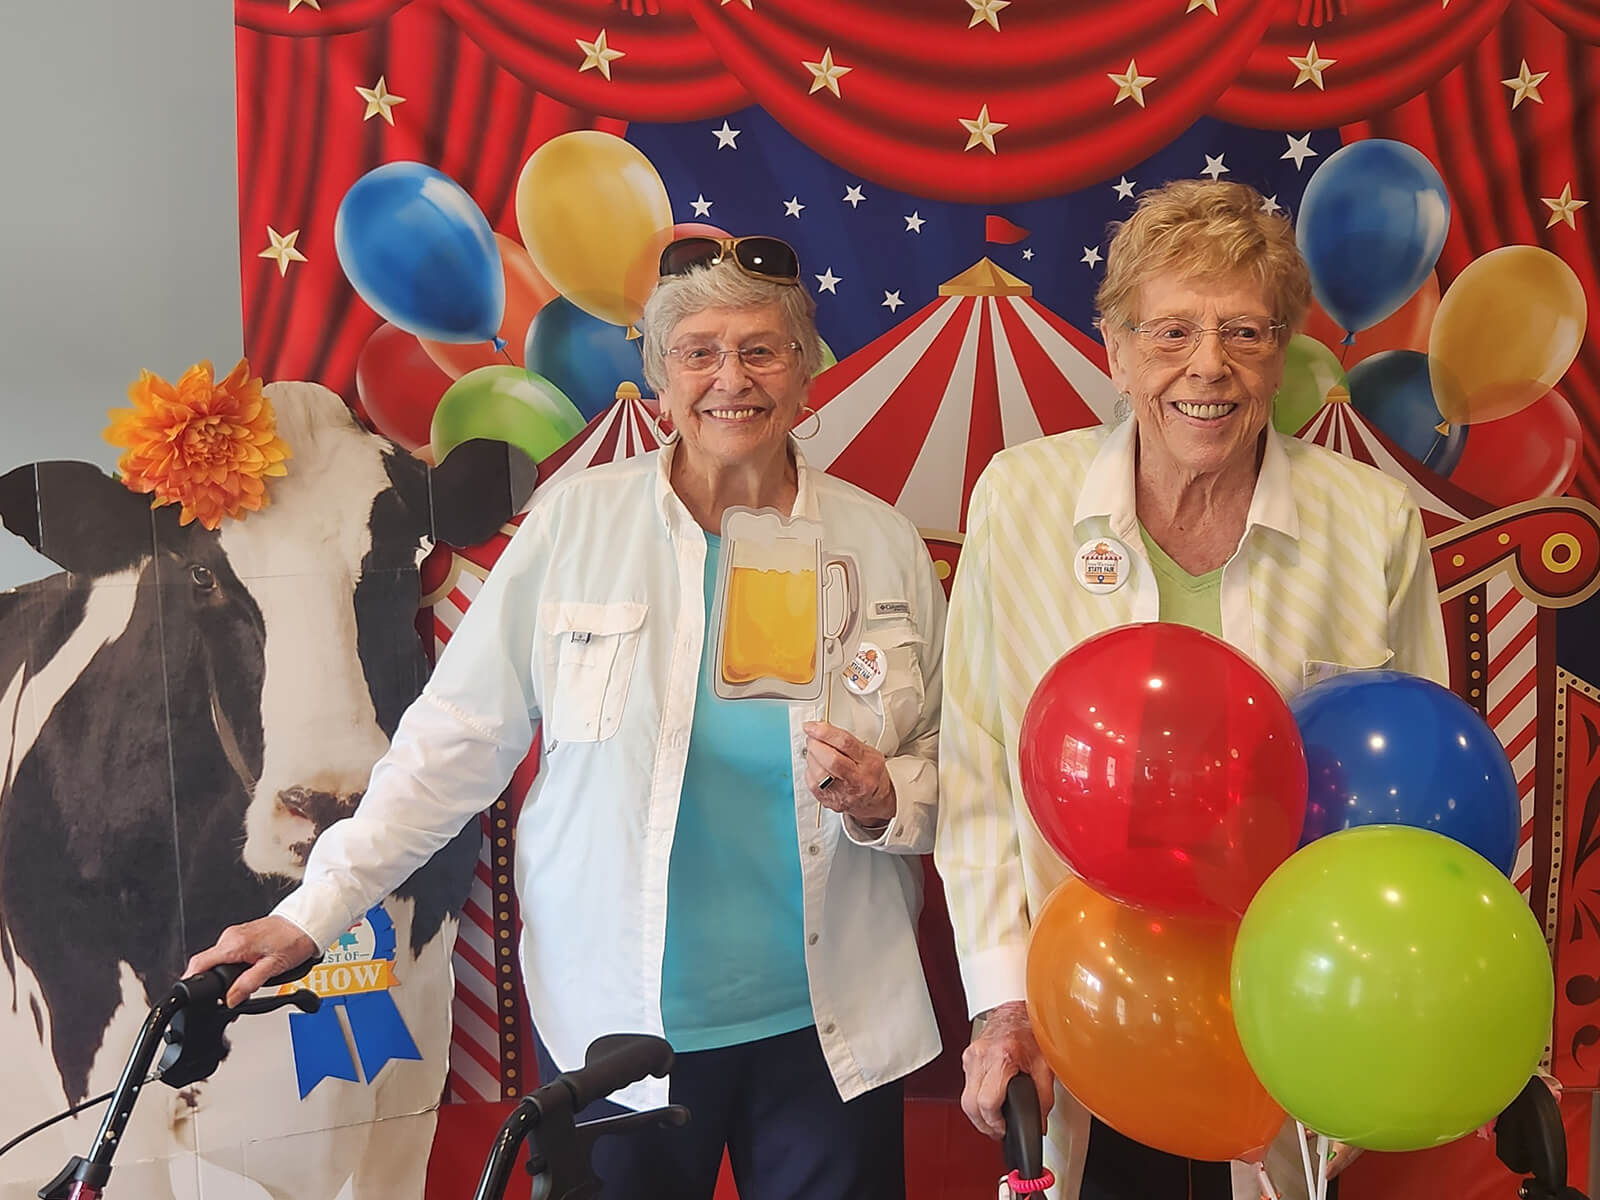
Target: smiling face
[(1204, 413), (733, 415)]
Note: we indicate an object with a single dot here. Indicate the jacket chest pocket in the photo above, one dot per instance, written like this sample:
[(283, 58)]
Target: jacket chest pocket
[(591, 653), (888, 715)]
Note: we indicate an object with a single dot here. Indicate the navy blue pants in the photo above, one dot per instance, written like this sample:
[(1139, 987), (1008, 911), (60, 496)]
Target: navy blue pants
[(1119, 1168), (774, 1106)]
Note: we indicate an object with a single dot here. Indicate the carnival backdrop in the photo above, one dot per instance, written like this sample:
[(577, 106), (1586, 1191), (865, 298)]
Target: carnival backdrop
[(450, 212)]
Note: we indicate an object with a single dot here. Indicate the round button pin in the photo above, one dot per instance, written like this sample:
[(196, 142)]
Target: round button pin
[(1101, 565), (864, 673)]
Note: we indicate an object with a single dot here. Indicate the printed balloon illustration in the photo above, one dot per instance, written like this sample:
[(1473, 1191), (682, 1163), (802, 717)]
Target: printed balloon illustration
[(1529, 454), (585, 357), (1394, 392), (1404, 329), (526, 293), (1372, 222), (417, 249), (505, 404), (1506, 331), (1312, 377), (590, 207), (399, 386)]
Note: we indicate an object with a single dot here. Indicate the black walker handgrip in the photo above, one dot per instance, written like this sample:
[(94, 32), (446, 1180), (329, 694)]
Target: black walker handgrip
[(211, 987), (613, 1062), (1024, 1144)]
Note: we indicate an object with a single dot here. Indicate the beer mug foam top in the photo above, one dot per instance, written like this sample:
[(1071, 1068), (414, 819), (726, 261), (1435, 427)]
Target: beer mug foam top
[(783, 608)]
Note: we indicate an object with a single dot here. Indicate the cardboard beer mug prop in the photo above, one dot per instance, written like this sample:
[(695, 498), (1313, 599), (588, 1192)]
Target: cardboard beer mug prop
[(784, 610)]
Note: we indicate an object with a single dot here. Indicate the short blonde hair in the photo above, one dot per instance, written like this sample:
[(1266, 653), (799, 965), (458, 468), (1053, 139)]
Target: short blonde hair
[(1198, 227), (724, 285)]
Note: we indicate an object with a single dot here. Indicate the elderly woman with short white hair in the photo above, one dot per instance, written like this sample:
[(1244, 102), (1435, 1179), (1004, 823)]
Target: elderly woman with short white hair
[(738, 874)]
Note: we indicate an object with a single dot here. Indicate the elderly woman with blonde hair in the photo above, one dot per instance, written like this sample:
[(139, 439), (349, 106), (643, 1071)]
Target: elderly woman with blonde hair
[(1302, 559)]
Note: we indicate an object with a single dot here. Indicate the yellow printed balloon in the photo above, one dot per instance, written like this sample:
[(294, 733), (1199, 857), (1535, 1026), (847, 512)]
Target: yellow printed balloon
[(595, 216), (1506, 331)]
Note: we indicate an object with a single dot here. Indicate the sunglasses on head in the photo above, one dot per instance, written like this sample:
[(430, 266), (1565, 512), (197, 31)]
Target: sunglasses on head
[(766, 258)]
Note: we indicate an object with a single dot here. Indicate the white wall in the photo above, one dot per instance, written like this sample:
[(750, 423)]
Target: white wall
[(118, 217)]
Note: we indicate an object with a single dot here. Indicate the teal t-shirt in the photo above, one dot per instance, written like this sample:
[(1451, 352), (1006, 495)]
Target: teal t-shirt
[(735, 965), (1186, 599)]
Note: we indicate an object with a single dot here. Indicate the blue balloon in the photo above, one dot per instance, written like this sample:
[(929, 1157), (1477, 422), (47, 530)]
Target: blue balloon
[(582, 355), (1386, 748), (417, 249), (1372, 222), (1393, 391)]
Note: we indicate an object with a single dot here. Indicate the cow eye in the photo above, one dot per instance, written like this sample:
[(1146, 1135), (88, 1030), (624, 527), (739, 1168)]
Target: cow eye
[(202, 576)]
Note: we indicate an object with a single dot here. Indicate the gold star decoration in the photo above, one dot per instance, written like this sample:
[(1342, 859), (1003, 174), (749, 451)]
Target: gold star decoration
[(1131, 84), (380, 101), (825, 74), (282, 250), (1562, 207), (294, 4), (981, 130), (746, 3), (1209, 5), (597, 56), (986, 11), (1311, 66), (1525, 85)]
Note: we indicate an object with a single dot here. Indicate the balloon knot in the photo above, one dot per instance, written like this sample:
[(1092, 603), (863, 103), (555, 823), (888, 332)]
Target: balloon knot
[(1349, 338), (499, 343)]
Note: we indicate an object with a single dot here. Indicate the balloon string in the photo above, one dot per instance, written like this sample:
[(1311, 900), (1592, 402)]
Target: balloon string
[(1322, 1167), (1305, 1161), (1269, 1190), (506, 354)]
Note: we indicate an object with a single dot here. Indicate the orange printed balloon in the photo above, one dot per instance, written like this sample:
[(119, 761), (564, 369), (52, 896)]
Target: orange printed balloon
[(1133, 1013)]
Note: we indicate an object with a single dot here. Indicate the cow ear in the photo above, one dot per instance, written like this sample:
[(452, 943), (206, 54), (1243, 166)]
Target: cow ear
[(77, 516), (477, 489)]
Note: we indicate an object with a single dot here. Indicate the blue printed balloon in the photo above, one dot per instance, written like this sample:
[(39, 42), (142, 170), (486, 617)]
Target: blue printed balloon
[(417, 249), (1394, 392), (1386, 748), (1371, 225), (582, 355)]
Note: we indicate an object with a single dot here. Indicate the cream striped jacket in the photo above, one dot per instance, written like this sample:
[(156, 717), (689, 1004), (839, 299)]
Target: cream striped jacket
[(1333, 571)]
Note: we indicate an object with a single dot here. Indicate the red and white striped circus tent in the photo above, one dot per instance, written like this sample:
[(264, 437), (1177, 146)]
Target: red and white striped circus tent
[(983, 367), (488, 1040)]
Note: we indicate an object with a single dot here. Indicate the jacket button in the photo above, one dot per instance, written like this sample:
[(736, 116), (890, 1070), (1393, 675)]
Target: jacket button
[(813, 939), (828, 1028), (813, 848)]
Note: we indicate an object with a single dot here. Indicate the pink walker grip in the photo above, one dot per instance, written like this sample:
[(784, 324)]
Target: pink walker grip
[(1022, 1187)]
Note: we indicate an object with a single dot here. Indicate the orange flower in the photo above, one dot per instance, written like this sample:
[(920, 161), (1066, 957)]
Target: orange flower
[(203, 445)]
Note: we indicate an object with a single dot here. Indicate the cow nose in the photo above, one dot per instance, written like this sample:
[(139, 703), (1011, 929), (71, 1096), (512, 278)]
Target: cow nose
[(321, 808)]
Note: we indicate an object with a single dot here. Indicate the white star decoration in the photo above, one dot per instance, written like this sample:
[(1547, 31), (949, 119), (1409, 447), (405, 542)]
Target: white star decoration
[(981, 130), (700, 204), (282, 250), (1525, 84), (1270, 204), (914, 223), (1124, 188), (727, 137), (1311, 66), (379, 101), (597, 55), (825, 74), (891, 300), (1131, 84), (1299, 149), (1562, 207), (986, 11), (1091, 255), (1214, 167), (853, 196), (827, 281), (1027, 254), (792, 207)]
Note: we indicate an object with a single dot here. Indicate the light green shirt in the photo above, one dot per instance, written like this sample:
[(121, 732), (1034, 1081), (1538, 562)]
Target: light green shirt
[(1194, 600)]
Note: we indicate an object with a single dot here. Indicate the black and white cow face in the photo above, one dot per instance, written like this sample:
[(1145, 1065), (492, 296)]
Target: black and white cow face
[(182, 711)]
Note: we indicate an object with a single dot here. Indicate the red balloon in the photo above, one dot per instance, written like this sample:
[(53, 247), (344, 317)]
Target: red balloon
[(1529, 454), (1404, 329), (1164, 768), (399, 386)]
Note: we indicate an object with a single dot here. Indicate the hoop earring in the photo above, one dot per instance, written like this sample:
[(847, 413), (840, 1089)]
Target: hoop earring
[(663, 439), (815, 429)]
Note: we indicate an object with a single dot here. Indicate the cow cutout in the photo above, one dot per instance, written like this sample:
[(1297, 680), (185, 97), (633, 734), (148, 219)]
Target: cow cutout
[(181, 712)]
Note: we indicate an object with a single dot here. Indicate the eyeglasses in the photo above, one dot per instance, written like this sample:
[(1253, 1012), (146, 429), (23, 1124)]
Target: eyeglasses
[(759, 359), (769, 258), (1242, 337)]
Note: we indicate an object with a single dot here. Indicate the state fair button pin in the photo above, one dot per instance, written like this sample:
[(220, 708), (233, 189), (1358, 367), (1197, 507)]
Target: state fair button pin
[(864, 673), (1101, 565)]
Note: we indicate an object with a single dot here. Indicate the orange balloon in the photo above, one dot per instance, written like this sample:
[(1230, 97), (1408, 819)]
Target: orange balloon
[(1133, 1012), (1404, 329), (526, 293)]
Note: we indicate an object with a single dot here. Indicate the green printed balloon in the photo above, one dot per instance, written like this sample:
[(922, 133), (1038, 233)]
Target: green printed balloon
[(504, 404), (1312, 377)]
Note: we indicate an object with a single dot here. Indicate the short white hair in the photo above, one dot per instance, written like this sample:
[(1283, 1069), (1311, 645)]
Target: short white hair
[(724, 285)]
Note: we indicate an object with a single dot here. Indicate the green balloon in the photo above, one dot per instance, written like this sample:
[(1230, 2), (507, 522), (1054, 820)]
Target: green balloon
[(828, 358), (1391, 989), (504, 404), (1310, 372)]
